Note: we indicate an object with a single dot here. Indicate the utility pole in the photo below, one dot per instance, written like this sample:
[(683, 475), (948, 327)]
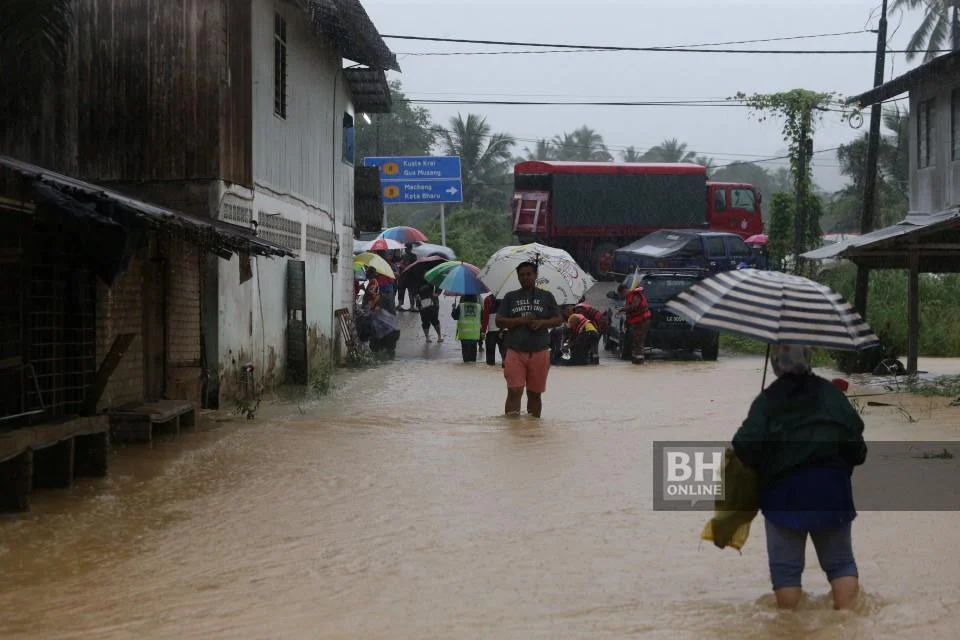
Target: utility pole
[(873, 153), (800, 195), (955, 25)]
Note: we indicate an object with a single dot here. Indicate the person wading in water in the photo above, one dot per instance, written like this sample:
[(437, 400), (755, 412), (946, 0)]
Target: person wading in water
[(528, 314)]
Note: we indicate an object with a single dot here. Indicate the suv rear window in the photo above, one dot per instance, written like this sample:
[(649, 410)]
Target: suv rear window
[(661, 289)]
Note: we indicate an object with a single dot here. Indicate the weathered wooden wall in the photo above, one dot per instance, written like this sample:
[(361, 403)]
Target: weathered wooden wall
[(38, 111), (150, 74), (153, 90), (236, 103)]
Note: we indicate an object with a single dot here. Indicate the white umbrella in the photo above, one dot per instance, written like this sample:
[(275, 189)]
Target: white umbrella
[(557, 272)]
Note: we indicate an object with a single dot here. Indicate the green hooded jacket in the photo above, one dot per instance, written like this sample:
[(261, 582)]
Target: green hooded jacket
[(799, 420)]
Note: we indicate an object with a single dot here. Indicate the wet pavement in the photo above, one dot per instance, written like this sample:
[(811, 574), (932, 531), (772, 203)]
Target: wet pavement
[(404, 505)]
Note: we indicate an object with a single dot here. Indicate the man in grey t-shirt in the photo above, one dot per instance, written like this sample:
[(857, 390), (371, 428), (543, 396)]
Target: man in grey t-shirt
[(527, 314)]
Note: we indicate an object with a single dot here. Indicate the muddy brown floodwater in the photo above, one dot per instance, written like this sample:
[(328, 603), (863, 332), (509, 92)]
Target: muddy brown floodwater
[(404, 505)]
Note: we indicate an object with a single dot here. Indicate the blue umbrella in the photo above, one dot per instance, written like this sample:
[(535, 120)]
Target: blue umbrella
[(462, 279)]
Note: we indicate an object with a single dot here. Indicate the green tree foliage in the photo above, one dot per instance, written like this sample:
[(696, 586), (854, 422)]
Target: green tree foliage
[(406, 131), (797, 109), (780, 229), (485, 159), (671, 150), (630, 154), (475, 234), (543, 150), (582, 145), (892, 195), (940, 28)]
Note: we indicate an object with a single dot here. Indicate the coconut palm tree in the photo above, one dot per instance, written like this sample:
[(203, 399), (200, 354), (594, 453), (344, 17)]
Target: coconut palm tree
[(542, 151), (565, 147), (671, 150), (582, 145), (940, 26), (630, 154), (592, 147), (484, 158)]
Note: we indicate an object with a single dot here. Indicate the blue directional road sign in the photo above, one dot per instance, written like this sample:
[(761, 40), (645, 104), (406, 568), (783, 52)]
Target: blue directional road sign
[(419, 179)]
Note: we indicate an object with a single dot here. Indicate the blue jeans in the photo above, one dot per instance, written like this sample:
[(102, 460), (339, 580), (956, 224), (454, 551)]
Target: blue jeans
[(786, 550)]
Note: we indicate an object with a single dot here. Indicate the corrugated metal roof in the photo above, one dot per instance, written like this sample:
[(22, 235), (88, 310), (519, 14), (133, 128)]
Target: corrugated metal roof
[(946, 64), (347, 23), (911, 228), (222, 236)]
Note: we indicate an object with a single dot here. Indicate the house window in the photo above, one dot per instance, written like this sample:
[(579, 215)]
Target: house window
[(348, 139), (926, 115), (955, 124), (279, 66)]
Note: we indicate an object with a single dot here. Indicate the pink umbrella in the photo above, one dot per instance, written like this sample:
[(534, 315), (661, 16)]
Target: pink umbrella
[(384, 244), (760, 238)]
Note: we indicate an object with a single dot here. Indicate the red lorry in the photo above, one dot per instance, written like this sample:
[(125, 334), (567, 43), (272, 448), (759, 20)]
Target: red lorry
[(592, 208)]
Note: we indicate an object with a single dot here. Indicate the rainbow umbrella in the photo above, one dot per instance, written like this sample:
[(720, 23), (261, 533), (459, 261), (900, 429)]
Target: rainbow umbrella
[(403, 235), (381, 266), (439, 272)]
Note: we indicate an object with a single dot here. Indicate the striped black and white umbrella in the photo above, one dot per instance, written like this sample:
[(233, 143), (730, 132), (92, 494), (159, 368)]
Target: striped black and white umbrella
[(776, 308)]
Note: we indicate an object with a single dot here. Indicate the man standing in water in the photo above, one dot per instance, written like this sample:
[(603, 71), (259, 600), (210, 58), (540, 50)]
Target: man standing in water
[(527, 314)]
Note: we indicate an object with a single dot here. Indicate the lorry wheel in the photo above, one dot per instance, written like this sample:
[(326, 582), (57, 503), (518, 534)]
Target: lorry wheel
[(711, 349), (602, 261)]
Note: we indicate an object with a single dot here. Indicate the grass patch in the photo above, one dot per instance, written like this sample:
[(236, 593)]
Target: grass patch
[(365, 358), (944, 386), (321, 379), (746, 346), (943, 455)]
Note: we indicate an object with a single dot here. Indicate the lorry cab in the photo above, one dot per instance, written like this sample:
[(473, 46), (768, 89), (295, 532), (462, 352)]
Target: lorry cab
[(734, 207)]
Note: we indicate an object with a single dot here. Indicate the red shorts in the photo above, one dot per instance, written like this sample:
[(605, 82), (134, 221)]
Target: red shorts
[(526, 369)]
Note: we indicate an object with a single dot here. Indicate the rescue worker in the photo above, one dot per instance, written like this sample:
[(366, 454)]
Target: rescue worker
[(638, 319), (467, 314), (592, 314), (583, 337)]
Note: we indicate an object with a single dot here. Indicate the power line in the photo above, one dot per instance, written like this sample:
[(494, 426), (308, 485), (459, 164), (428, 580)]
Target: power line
[(602, 50), (746, 158), (531, 103), (668, 49)]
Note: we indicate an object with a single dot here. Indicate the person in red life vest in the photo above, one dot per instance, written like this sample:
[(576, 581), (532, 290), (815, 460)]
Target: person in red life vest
[(638, 319), (583, 337), (592, 314)]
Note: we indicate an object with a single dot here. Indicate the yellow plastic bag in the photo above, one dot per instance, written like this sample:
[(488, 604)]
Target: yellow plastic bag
[(730, 525)]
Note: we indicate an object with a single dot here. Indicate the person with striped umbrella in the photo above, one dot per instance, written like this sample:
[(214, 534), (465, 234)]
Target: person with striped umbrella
[(801, 437)]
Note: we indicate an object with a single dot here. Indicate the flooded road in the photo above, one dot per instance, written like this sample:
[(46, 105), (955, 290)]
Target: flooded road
[(404, 505)]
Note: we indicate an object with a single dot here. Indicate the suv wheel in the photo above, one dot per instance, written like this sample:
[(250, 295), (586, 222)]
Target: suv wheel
[(624, 346), (711, 349)]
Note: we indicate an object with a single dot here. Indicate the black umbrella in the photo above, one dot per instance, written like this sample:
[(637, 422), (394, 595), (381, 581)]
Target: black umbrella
[(415, 271)]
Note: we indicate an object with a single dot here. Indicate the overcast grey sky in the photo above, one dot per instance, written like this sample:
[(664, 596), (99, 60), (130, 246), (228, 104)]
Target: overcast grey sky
[(727, 134)]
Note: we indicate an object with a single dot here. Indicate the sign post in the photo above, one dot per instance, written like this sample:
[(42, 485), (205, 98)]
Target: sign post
[(443, 225), (419, 180)]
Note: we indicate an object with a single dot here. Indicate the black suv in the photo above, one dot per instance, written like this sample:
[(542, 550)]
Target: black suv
[(668, 331)]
